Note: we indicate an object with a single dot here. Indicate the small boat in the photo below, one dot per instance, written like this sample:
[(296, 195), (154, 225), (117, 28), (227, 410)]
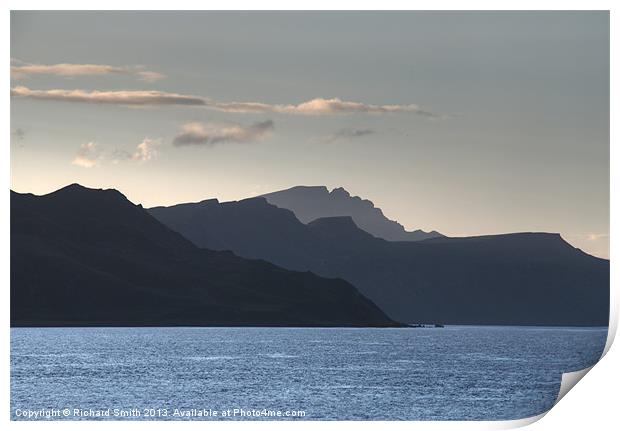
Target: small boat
[(424, 325)]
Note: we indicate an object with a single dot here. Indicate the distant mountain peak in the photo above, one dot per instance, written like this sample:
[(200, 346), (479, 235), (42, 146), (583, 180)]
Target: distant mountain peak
[(340, 192), (211, 201), (75, 188), (78, 187), (313, 202), (322, 189)]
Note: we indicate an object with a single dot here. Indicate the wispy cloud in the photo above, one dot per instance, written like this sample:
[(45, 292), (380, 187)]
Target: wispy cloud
[(123, 97), (314, 107), (344, 135), (87, 156), (215, 133), (591, 236), (596, 236), (318, 106), (21, 70), (145, 151)]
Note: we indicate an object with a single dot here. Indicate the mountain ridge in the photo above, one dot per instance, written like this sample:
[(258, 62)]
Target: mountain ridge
[(517, 278), (90, 257), (313, 202)]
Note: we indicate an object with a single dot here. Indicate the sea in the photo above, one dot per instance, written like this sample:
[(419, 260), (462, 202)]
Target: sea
[(183, 373)]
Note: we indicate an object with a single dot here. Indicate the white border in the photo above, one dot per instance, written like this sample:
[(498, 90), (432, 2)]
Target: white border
[(593, 404)]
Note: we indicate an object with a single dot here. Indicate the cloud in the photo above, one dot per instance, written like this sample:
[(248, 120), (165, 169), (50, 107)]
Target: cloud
[(214, 133), (346, 135), (596, 236), (150, 76), (87, 156), (318, 106), (314, 107), (123, 97), (21, 70), (145, 151)]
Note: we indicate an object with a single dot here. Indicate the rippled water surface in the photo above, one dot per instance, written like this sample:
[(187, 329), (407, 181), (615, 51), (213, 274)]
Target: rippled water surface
[(345, 374)]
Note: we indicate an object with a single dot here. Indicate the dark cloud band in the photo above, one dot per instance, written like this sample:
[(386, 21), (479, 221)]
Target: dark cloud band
[(212, 133)]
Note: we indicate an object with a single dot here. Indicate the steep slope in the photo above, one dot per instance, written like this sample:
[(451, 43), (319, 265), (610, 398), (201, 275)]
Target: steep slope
[(90, 257), (251, 227), (311, 203), (516, 279)]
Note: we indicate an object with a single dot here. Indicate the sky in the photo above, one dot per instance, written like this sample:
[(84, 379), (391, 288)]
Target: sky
[(468, 123)]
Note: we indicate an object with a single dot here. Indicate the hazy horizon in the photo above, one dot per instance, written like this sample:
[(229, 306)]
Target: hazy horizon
[(468, 123)]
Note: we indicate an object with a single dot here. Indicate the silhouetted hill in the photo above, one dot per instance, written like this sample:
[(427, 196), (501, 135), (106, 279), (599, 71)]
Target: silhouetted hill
[(250, 226), (342, 232), (311, 203), (512, 279), (90, 257)]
